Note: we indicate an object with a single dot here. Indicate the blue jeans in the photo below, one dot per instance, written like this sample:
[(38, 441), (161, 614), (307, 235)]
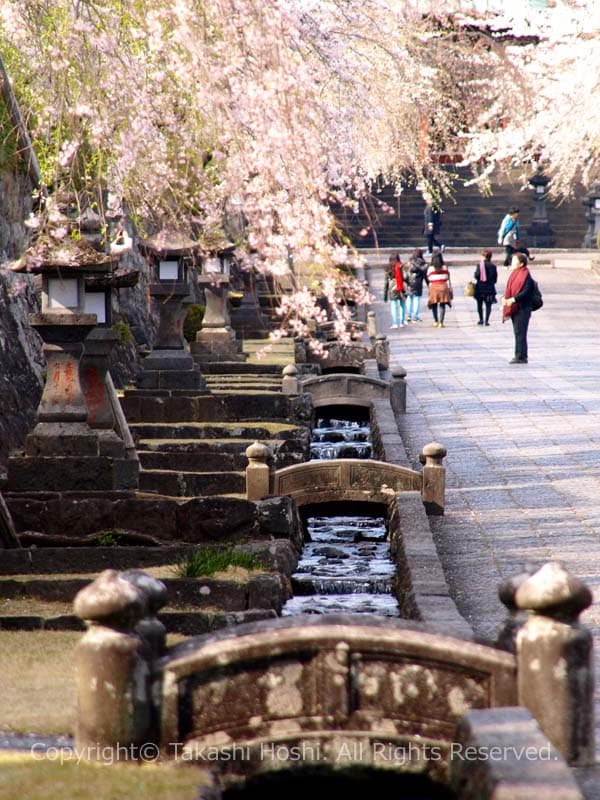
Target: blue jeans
[(398, 308), (414, 305)]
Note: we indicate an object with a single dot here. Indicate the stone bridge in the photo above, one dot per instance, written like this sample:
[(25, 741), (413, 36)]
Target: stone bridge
[(360, 480), (345, 389), (344, 479), (336, 690)]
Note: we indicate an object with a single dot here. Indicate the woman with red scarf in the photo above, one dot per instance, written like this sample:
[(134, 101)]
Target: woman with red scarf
[(395, 290), (517, 304)]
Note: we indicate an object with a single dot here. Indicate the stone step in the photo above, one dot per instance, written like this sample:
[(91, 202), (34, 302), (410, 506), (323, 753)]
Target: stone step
[(242, 380), (191, 484), (239, 406), (213, 455), (200, 432), (231, 368)]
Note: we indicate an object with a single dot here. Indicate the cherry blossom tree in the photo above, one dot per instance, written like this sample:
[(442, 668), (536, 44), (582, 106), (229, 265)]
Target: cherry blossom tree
[(192, 111)]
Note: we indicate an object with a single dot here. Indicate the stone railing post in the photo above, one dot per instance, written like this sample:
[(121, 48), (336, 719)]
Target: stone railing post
[(434, 479), (150, 628), (515, 619), (113, 702), (258, 471), (555, 662), (289, 382), (382, 352), (398, 390), (371, 325)]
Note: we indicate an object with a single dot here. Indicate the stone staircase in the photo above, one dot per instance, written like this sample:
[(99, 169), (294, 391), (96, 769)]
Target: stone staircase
[(469, 219), (194, 445)]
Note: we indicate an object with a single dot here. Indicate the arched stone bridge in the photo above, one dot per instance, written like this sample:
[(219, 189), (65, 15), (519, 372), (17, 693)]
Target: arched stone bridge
[(343, 479), (345, 389), (332, 690)]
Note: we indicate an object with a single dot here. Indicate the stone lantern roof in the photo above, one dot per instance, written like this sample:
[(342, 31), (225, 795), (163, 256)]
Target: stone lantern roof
[(66, 254), (169, 240)]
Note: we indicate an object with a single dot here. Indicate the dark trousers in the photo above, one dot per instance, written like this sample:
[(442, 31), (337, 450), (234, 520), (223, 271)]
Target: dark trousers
[(488, 310), (431, 242), (510, 251), (520, 322), (441, 315)]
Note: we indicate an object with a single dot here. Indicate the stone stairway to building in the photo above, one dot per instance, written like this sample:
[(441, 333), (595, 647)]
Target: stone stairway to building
[(469, 219)]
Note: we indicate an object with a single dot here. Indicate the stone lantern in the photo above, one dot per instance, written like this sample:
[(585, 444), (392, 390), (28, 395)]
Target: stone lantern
[(592, 201), (216, 340), (169, 367), (63, 452), (539, 232)]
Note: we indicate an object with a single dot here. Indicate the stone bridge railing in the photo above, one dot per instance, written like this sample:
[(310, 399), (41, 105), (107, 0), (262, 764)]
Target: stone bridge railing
[(347, 479), (356, 390), (351, 689)]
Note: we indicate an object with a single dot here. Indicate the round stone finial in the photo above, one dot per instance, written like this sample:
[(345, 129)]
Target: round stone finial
[(398, 372), (553, 592), (434, 450), (258, 452), (290, 370), (153, 590), (110, 599)]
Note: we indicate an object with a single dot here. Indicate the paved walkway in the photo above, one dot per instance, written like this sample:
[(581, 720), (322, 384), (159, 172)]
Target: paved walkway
[(523, 464)]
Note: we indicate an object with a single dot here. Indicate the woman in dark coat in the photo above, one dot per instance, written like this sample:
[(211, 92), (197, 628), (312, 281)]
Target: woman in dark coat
[(517, 299), (417, 273), (486, 275)]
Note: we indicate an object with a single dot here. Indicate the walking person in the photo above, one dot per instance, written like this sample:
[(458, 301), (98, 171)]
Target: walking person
[(509, 235), (517, 304), (440, 289), (486, 275), (417, 273), (394, 290), (432, 225)]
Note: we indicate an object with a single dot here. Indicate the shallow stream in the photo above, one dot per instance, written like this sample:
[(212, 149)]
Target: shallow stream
[(345, 565)]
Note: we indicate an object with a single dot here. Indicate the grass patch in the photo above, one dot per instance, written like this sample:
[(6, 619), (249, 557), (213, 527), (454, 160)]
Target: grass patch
[(208, 562), (37, 682), (21, 776)]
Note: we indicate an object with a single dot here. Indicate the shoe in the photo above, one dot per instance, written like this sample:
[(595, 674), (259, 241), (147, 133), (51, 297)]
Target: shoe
[(487, 324), (435, 325), (409, 319), (442, 248), (518, 361), (428, 254), (441, 325), (480, 322), (532, 258), (393, 327), (417, 319)]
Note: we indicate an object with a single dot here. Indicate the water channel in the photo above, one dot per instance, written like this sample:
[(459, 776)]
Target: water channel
[(345, 565)]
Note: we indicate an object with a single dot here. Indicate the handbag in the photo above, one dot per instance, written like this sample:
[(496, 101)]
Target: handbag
[(470, 289), (536, 297)]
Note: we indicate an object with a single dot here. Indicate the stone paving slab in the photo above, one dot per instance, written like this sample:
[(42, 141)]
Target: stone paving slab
[(523, 464)]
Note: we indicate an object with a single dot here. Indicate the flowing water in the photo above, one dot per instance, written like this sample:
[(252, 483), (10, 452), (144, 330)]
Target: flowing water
[(345, 566)]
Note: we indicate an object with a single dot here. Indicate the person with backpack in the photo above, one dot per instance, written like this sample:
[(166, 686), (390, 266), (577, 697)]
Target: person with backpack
[(517, 301), (394, 290), (417, 273), (509, 235)]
